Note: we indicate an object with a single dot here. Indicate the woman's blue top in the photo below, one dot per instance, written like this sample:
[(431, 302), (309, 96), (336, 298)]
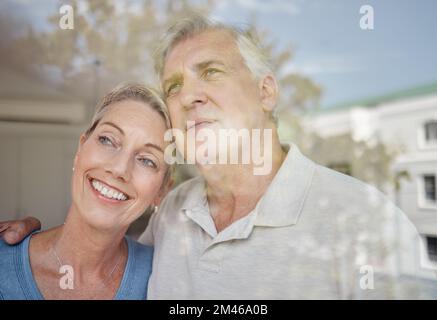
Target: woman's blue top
[(17, 281)]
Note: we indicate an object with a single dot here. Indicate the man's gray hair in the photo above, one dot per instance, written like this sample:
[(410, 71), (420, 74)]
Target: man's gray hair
[(249, 47)]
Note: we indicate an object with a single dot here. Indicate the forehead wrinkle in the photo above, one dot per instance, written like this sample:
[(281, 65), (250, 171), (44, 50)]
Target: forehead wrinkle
[(211, 48), (198, 66), (201, 40)]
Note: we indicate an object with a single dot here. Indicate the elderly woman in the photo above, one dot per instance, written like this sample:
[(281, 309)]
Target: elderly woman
[(119, 171)]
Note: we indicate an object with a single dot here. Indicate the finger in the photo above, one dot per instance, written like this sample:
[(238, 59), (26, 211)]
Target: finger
[(16, 232), (11, 237), (3, 227), (4, 224), (32, 224)]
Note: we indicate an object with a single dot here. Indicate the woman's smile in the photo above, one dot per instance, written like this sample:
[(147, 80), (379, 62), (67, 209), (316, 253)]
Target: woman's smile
[(107, 193)]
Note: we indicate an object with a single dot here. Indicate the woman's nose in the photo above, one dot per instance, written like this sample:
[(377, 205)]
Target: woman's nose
[(120, 166)]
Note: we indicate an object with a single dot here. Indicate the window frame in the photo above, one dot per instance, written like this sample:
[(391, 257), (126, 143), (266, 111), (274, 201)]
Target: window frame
[(431, 256), (423, 202), (422, 141)]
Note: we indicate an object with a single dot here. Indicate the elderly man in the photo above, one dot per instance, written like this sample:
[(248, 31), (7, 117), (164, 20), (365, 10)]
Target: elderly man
[(299, 230)]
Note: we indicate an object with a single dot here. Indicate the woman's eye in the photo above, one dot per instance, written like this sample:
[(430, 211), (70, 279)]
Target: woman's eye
[(105, 141), (147, 162)]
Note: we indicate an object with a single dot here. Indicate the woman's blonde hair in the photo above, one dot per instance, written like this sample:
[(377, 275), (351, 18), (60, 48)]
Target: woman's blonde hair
[(129, 91)]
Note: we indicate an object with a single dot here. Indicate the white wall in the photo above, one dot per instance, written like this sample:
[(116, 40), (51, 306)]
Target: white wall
[(36, 162)]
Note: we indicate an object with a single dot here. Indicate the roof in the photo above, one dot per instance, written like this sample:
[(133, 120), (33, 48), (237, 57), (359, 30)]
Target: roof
[(394, 96)]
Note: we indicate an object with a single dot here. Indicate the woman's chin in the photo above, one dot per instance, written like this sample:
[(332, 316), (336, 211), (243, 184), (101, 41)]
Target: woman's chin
[(108, 220), (102, 221)]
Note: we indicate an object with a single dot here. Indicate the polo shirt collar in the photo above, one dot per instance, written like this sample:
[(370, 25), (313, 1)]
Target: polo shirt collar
[(281, 205), (196, 196), (283, 201)]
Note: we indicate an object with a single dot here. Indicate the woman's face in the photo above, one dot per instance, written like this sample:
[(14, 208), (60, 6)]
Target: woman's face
[(119, 168)]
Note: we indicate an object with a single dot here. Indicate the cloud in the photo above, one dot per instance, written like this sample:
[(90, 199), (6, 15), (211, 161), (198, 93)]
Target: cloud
[(273, 6), (324, 65)]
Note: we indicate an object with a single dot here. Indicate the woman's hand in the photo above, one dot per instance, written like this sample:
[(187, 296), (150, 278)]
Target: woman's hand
[(15, 231)]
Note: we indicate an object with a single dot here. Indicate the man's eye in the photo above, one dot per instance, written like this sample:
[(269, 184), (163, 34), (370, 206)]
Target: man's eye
[(105, 141), (147, 162), (210, 71), (173, 89)]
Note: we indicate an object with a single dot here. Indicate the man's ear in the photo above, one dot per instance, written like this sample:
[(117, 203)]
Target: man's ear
[(268, 92)]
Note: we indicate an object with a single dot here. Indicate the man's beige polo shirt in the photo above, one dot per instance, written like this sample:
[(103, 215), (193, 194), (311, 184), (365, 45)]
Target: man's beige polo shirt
[(315, 233)]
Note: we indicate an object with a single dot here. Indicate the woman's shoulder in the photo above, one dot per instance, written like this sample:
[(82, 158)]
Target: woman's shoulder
[(140, 251), (8, 253), (138, 270), (4, 247), (11, 269)]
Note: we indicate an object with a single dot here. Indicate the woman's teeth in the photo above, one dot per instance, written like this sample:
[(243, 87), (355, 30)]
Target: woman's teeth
[(107, 192)]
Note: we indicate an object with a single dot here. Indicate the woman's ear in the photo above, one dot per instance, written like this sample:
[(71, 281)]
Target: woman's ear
[(82, 140), (163, 192), (268, 92)]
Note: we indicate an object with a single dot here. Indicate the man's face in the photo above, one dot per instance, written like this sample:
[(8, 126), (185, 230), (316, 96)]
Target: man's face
[(205, 80)]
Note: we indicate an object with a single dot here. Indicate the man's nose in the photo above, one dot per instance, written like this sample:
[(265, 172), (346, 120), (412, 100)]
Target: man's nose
[(192, 95)]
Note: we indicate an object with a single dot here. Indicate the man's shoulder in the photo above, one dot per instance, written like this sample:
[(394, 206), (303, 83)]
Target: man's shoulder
[(188, 185), (184, 192), (343, 182), (344, 190)]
